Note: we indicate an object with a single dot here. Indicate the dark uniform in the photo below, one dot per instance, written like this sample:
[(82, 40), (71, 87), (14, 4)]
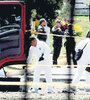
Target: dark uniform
[(70, 48), (41, 29), (57, 42)]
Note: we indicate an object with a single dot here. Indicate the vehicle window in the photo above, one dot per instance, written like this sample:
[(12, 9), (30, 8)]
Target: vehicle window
[(10, 17), (10, 30)]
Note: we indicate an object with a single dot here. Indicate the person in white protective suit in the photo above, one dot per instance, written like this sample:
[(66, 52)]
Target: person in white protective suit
[(84, 60), (42, 53)]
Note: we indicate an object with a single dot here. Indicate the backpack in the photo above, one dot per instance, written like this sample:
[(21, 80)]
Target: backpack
[(79, 53)]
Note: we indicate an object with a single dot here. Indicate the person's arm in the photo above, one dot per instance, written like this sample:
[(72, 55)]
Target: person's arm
[(41, 29), (54, 30), (62, 30), (30, 55), (45, 52)]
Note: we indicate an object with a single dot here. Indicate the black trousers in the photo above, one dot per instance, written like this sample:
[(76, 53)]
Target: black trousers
[(70, 50), (56, 52)]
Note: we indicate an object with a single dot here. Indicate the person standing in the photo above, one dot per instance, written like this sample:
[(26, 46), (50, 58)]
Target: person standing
[(42, 29), (57, 41), (42, 53), (84, 60), (70, 47)]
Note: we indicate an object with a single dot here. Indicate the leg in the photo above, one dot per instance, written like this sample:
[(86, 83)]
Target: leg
[(73, 56), (48, 75), (87, 74), (80, 70), (68, 54), (36, 76), (78, 74), (56, 53)]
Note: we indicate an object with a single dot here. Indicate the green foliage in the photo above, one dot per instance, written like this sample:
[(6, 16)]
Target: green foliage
[(87, 3), (78, 29), (33, 13), (45, 8), (65, 10), (53, 23)]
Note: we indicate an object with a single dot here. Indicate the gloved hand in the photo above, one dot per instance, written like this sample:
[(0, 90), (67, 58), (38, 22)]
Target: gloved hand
[(41, 58)]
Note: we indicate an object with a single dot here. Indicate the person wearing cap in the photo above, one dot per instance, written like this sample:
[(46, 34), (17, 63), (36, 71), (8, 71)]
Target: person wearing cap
[(41, 51), (42, 28), (58, 29)]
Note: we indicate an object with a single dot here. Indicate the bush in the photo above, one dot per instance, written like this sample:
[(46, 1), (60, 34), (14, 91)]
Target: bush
[(78, 29)]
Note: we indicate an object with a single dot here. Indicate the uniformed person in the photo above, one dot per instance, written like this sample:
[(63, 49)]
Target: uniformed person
[(57, 41), (70, 47), (41, 51), (42, 29)]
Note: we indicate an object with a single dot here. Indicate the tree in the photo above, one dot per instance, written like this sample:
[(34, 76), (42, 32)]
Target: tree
[(65, 12), (44, 8)]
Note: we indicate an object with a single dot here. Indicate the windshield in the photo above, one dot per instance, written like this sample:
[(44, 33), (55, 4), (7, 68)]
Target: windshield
[(10, 17)]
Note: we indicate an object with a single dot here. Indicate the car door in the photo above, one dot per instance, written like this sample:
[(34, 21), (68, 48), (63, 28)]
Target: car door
[(12, 30)]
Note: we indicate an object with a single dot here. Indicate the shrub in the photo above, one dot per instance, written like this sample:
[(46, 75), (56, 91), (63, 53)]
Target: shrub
[(78, 29)]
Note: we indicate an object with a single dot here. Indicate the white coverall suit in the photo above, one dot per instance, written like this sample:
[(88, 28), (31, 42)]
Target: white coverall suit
[(83, 61), (41, 48)]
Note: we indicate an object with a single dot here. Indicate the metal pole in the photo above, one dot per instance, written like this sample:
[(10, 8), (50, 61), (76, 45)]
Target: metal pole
[(72, 11), (25, 87), (72, 3)]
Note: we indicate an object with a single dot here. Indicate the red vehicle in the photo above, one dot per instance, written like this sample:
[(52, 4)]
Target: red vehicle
[(12, 31)]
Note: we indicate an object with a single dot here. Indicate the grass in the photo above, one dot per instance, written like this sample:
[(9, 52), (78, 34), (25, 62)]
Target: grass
[(84, 24), (82, 17)]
